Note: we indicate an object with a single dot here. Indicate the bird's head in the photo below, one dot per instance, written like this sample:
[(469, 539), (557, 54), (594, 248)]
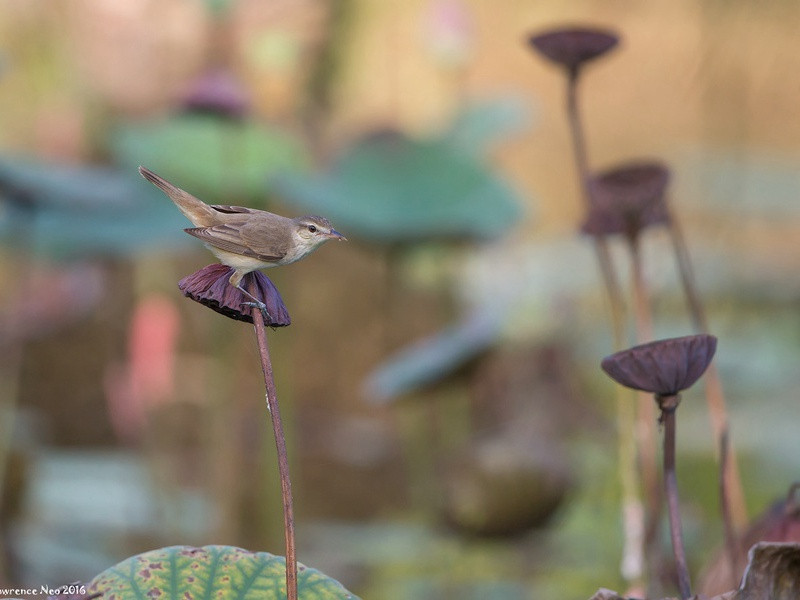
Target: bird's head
[(312, 231)]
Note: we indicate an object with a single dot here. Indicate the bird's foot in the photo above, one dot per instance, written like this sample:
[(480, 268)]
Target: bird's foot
[(262, 307), (255, 303)]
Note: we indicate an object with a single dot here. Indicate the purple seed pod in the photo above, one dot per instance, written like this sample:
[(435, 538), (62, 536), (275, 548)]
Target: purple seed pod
[(627, 199), (210, 286), (573, 46), (663, 367)]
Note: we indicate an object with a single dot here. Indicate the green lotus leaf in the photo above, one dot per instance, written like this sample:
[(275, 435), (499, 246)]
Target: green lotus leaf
[(69, 211), (61, 234), (389, 189), (219, 160), (49, 185), (220, 572), (480, 125)]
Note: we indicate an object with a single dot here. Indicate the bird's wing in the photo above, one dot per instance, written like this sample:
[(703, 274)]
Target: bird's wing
[(266, 237), (227, 208), (236, 238)]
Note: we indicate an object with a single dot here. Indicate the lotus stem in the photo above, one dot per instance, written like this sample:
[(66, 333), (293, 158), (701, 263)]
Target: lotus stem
[(715, 396), (641, 296), (731, 541), (604, 261), (632, 563), (280, 445), (687, 276), (668, 406), (645, 425)]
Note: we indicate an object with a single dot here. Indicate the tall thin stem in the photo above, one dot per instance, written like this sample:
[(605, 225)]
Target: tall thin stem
[(600, 242), (668, 405), (280, 445), (686, 274), (641, 296), (576, 131), (646, 415), (715, 396), (731, 541), (632, 511)]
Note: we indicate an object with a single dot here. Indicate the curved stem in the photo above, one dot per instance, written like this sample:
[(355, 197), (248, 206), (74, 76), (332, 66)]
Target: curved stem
[(600, 243), (633, 523), (280, 445), (686, 273), (646, 423), (731, 542), (668, 406), (576, 131), (715, 396), (633, 518), (613, 291), (641, 297)]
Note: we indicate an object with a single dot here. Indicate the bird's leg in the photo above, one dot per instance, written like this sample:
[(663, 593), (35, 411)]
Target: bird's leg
[(256, 303), (235, 281)]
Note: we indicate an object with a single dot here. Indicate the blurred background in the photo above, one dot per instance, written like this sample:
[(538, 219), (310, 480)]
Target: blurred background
[(450, 432)]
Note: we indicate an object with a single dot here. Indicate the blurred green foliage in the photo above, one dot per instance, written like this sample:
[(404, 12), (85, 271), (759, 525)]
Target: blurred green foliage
[(389, 188), (429, 360), (67, 211), (478, 125), (218, 160)]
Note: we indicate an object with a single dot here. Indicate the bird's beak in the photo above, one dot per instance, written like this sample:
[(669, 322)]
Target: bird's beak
[(335, 235)]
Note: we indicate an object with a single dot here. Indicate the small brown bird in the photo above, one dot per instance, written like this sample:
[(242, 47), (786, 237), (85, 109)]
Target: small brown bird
[(247, 239)]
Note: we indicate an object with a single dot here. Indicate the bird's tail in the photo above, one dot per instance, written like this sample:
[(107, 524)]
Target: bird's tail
[(197, 211)]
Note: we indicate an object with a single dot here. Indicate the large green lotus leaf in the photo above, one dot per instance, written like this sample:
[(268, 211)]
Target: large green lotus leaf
[(49, 185), (388, 188), (222, 161), (479, 125), (71, 211), (219, 572), (154, 225)]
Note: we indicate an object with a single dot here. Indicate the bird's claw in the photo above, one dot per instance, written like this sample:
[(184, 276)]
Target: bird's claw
[(262, 307)]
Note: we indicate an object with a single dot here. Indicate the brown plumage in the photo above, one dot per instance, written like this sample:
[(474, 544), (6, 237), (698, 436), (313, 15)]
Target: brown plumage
[(247, 238)]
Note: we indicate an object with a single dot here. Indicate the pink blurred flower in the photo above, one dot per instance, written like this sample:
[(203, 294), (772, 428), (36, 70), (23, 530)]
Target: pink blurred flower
[(217, 92), (147, 379), (451, 32)]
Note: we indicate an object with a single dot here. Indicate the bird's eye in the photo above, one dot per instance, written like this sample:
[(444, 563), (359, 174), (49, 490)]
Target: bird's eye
[(312, 228)]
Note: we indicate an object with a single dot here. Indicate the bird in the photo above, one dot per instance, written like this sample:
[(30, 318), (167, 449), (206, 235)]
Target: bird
[(247, 239)]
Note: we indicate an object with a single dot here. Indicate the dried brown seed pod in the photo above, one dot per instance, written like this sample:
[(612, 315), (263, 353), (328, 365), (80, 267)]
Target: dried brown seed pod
[(627, 199), (573, 46), (210, 286), (664, 367)]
